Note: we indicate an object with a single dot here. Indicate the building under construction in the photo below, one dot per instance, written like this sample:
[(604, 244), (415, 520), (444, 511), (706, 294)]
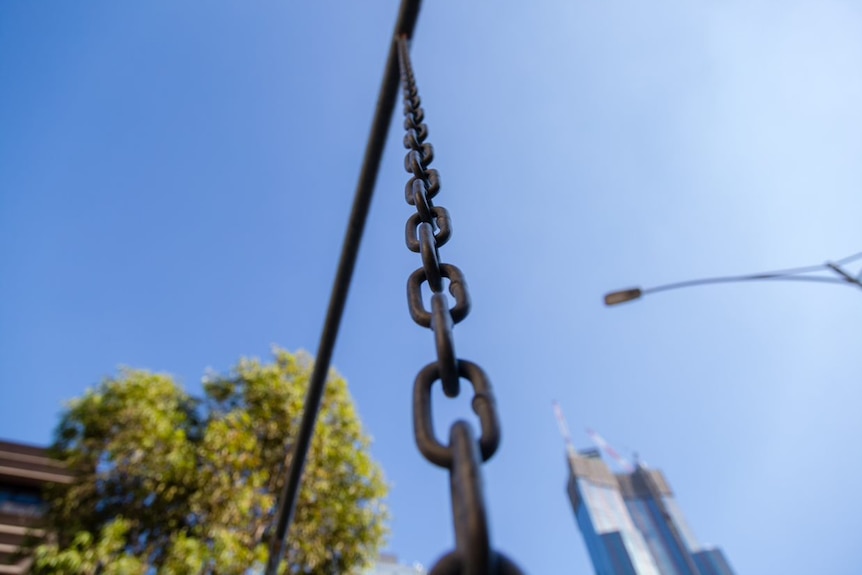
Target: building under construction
[(630, 521)]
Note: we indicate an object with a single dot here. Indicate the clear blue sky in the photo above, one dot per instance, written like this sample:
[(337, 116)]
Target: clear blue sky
[(175, 177)]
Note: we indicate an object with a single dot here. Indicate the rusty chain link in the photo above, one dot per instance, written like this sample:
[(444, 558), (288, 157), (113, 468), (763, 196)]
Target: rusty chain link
[(427, 230)]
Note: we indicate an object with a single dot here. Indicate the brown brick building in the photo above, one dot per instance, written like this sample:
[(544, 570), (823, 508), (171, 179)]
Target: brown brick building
[(24, 471)]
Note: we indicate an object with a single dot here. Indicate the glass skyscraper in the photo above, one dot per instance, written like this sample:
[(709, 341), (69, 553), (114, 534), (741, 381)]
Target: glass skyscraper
[(631, 523)]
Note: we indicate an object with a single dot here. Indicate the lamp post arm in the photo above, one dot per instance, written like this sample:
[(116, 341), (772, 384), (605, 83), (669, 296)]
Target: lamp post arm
[(847, 277), (793, 274), (737, 279), (618, 297), (849, 259)]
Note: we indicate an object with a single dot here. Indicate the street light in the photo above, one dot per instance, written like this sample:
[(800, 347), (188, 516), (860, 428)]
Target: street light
[(795, 274)]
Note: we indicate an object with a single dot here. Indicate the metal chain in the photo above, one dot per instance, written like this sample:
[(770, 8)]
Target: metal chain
[(427, 230)]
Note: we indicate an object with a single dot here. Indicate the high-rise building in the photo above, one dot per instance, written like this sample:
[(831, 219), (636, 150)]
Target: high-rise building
[(24, 471), (631, 522)]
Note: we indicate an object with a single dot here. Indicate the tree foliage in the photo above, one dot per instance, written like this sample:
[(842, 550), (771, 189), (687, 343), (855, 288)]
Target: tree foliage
[(173, 483)]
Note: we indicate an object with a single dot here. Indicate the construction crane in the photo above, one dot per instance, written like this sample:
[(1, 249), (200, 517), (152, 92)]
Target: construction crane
[(600, 442), (564, 429), (597, 439)]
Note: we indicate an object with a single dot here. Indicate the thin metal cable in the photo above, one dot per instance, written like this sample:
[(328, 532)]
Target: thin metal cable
[(407, 15)]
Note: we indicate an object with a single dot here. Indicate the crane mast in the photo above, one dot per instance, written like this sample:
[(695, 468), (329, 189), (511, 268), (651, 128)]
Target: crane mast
[(564, 429)]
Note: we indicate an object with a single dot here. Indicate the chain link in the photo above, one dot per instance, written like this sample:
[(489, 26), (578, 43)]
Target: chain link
[(427, 230)]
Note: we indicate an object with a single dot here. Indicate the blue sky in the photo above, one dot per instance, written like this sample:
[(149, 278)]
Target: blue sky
[(175, 178)]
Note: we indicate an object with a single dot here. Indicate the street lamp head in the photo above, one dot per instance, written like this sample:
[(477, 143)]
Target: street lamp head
[(622, 296)]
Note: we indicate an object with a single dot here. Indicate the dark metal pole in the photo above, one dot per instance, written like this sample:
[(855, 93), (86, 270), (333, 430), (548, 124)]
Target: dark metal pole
[(407, 15)]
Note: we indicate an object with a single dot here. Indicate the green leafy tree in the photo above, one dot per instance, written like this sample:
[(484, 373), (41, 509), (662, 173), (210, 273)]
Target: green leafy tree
[(171, 483)]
